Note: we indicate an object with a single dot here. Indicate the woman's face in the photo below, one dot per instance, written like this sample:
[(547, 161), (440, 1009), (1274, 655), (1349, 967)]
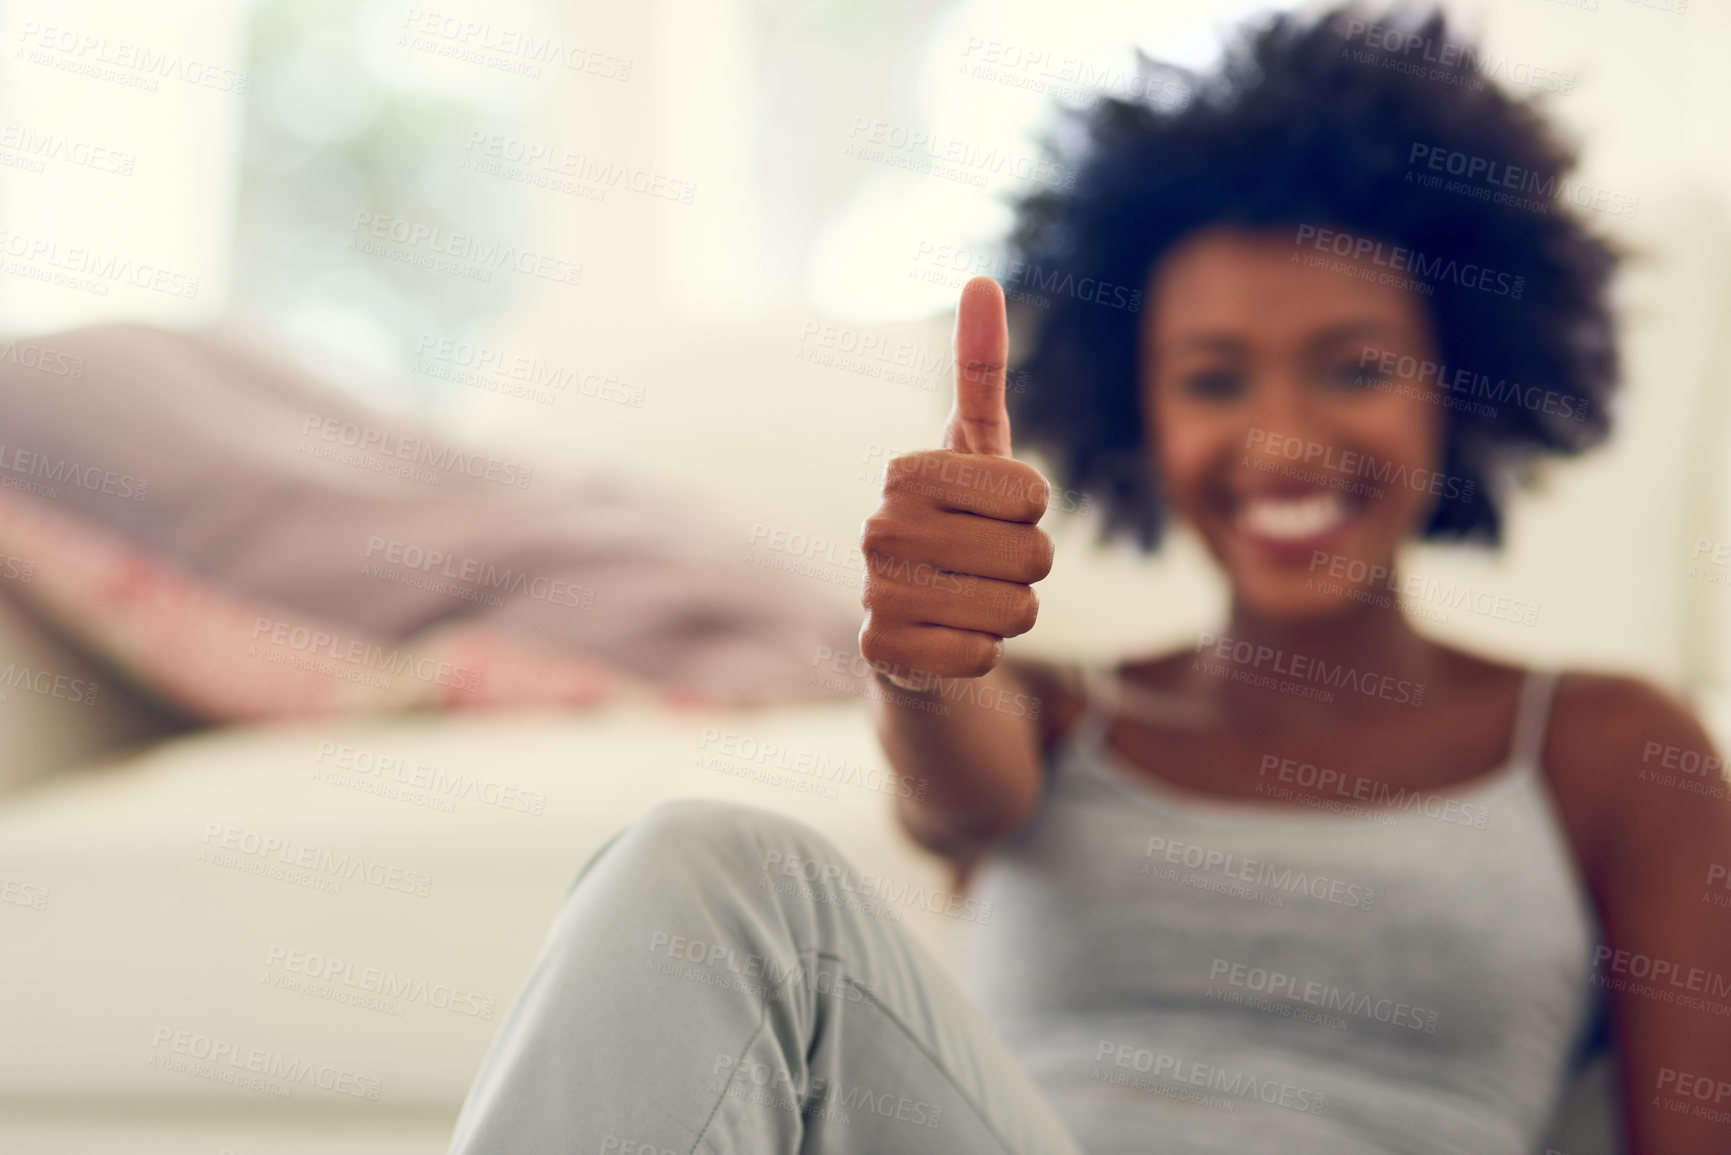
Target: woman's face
[(1278, 436)]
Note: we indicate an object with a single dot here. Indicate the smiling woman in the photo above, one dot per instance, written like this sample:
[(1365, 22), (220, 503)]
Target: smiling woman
[(1318, 884), (1515, 303)]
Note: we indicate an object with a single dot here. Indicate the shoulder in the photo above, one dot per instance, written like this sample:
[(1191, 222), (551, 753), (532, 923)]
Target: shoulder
[(1614, 722), (1634, 757)]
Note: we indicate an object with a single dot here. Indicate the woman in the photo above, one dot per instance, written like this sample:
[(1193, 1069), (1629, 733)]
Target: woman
[(1319, 883)]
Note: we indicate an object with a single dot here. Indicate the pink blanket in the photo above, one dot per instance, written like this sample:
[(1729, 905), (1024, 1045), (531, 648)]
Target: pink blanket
[(247, 542)]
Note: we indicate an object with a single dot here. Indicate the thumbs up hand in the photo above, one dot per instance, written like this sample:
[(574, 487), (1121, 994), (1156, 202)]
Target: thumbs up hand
[(954, 547)]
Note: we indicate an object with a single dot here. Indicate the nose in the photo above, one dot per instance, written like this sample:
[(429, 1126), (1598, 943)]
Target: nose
[(1283, 421)]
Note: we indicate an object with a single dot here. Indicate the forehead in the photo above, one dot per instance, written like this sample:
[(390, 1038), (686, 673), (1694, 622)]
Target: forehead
[(1262, 288)]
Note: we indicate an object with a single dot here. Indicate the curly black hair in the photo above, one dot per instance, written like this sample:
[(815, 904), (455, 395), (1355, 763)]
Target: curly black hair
[(1316, 122)]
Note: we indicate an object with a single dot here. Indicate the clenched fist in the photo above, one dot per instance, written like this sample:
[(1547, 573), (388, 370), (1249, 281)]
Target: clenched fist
[(954, 548)]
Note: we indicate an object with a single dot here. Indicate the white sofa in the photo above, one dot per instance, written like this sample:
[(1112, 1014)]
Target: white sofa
[(133, 929)]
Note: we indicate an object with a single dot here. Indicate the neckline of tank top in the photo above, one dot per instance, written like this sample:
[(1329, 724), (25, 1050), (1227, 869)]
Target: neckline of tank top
[(1085, 741), (1510, 772)]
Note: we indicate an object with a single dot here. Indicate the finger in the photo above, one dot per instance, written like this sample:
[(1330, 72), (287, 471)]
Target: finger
[(1001, 488), (954, 601), (979, 422), (913, 654), (964, 544)]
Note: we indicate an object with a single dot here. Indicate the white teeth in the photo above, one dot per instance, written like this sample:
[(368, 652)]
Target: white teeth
[(1291, 519)]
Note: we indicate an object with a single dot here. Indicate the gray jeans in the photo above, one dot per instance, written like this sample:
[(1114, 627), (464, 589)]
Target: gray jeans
[(708, 987)]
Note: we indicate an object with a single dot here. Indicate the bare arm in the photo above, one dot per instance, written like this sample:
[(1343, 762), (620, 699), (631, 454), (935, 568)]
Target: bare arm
[(952, 553), (1668, 960), (972, 751)]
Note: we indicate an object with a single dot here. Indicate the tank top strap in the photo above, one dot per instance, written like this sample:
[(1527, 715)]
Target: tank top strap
[(1095, 686), (1532, 716), (1101, 701)]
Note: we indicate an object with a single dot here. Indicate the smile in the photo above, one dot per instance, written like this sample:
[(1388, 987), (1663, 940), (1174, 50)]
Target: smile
[(1293, 519)]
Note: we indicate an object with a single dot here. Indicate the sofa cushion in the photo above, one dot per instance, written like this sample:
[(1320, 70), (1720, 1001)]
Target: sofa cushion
[(359, 902)]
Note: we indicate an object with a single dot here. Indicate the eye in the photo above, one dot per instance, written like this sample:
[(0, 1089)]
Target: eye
[(1352, 375), (1217, 384)]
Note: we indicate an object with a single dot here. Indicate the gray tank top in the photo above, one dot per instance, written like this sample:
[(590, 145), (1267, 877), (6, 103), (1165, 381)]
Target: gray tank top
[(1364, 972)]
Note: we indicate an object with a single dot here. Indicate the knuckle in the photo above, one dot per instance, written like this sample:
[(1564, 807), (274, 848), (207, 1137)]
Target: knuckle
[(902, 470), (880, 531), (1042, 552), (880, 596), (875, 642), (1030, 552), (1023, 611), (1033, 486), (978, 655)]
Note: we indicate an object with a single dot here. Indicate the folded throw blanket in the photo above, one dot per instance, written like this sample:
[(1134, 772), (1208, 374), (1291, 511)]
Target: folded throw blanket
[(204, 515)]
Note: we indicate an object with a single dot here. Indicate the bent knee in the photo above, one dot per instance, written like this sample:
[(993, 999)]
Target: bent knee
[(698, 827)]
